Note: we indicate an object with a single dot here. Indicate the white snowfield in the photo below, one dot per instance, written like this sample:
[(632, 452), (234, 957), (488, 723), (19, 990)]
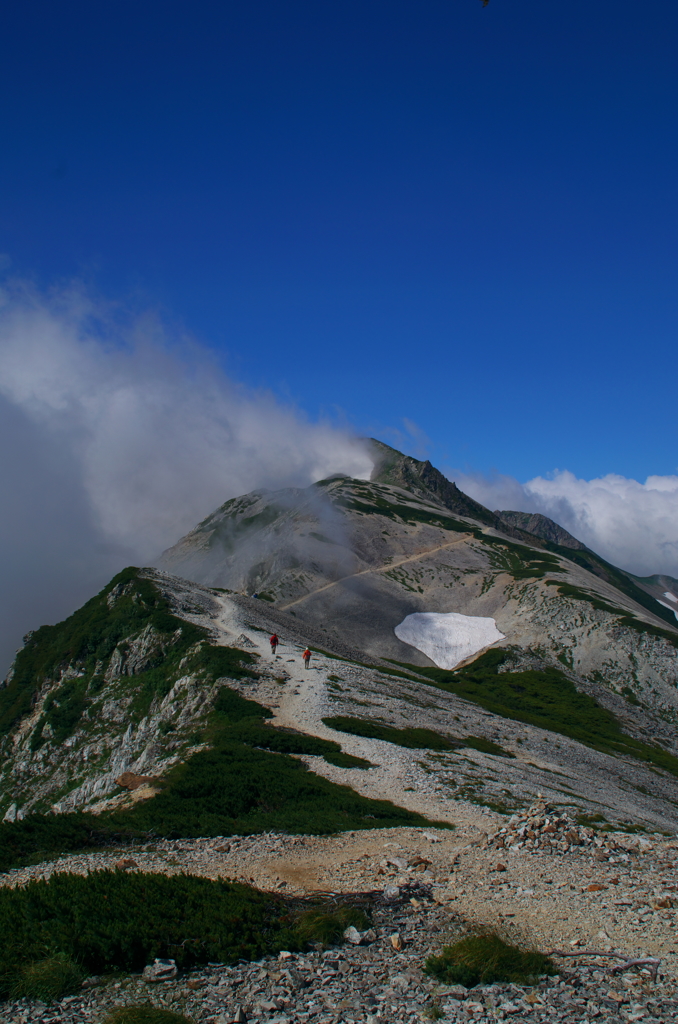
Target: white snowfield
[(669, 606), (671, 597), (448, 638)]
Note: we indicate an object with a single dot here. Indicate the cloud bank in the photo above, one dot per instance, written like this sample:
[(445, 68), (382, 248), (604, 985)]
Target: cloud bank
[(633, 525), (115, 439)]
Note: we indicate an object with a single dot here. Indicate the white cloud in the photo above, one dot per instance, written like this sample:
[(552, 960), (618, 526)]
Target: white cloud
[(117, 439), (632, 524)]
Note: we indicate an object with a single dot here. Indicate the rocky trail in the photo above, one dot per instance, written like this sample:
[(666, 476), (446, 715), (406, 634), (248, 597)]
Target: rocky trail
[(609, 893), (537, 877)]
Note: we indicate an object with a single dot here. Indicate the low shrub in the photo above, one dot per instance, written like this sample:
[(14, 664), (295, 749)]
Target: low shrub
[(114, 920), (51, 931), (234, 789), (145, 1013), (414, 739), (342, 760), (487, 958)]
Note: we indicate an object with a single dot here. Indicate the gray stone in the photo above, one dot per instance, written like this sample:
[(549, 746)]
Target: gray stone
[(160, 970)]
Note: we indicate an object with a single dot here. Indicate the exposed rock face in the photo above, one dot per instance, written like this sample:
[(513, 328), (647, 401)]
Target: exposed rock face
[(541, 526), (93, 734)]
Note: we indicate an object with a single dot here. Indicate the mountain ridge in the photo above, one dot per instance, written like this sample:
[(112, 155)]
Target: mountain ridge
[(131, 683)]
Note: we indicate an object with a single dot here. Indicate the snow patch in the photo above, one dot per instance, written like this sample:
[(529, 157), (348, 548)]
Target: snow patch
[(671, 597), (669, 606), (448, 638)]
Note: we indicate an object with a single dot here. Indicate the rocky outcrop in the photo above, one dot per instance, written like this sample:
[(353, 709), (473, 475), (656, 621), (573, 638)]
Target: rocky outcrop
[(541, 526)]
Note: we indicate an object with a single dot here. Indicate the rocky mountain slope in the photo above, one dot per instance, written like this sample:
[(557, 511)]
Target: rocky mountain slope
[(354, 558), (577, 701)]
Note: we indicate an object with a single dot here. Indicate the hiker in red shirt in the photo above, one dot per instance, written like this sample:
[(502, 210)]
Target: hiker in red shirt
[(274, 641), (307, 657)]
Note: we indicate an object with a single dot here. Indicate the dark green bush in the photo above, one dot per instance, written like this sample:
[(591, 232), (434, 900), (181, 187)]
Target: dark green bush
[(145, 1013), (415, 739), (111, 919), (235, 789), (232, 707), (486, 958), (50, 931), (40, 836), (342, 760), (218, 662)]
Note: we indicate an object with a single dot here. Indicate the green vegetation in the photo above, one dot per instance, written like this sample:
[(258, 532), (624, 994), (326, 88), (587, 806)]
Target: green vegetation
[(414, 739), (48, 978), (318, 924), (245, 783), (611, 574), (87, 639), (145, 1013), (374, 504), (238, 786), (485, 746), (108, 920), (234, 789), (546, 699), (342, 760), (246, 719), (567, 590), (220, 662), (486, 958), (53, 931), (630, 696), (520, 561)]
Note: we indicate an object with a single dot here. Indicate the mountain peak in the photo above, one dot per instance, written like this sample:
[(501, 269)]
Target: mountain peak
[(424, 480)]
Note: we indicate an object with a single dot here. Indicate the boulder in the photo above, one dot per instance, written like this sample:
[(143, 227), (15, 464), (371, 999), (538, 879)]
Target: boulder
[(160, 970)]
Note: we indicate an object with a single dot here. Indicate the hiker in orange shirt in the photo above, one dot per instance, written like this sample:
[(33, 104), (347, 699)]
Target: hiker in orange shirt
[(307, 657)]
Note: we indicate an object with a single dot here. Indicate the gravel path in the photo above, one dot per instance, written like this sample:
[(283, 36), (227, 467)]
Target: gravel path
[(571, 901)]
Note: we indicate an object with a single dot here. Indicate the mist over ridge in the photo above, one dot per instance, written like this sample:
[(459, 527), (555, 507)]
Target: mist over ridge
[(119, 434), (117, 437)]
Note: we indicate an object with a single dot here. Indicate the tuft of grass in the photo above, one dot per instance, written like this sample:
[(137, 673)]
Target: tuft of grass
[(144, 1013), (486, 958), (46, 979), (318, 924), (593, 820), (413, 739)]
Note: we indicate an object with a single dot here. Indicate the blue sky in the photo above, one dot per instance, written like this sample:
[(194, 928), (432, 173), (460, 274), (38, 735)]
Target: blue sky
[(457, 215)]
